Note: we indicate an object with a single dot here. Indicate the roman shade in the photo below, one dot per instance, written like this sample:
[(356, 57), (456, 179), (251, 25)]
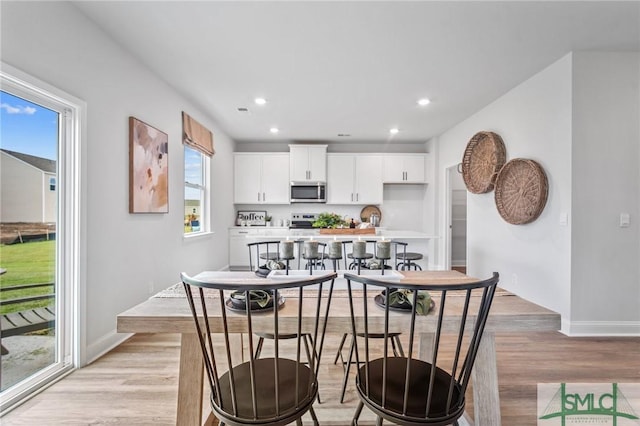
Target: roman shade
[(196, 135)]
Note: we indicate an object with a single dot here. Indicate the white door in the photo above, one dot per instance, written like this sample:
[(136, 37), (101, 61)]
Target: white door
[(39, 128)]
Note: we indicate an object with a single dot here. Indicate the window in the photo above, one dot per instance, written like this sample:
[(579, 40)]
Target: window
[(52, 184), (196, 191)]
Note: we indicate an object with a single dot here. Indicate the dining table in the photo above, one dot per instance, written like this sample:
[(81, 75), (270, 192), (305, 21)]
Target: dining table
[(168, 312)]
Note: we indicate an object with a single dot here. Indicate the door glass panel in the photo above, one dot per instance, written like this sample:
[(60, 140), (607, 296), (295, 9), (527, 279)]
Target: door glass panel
[(29, 136)]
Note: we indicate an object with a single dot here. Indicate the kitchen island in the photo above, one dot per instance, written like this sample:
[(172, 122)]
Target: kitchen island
[(240, 236)]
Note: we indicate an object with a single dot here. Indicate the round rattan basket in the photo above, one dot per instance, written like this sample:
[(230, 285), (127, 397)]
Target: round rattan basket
[(521, 191), (483, 158)]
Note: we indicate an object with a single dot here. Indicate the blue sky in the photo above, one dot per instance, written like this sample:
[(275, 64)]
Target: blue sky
[(27, 127)]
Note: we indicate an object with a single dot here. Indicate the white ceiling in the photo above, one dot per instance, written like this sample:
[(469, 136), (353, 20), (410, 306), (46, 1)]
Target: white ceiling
[(356, 68)]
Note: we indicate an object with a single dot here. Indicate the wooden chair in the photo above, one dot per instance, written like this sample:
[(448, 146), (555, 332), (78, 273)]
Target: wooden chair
[(276, 390), (406, 390)]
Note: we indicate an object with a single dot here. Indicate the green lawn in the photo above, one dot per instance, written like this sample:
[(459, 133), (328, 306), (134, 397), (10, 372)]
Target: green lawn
[(27, 263)]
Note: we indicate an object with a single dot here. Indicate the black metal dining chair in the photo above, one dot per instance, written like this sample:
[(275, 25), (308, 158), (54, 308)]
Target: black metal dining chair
[(407, 390), (277, 390), (263, 251)]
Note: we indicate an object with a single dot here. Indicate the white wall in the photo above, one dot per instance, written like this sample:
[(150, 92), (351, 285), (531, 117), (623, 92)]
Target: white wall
[(126, 257), (534, 120), (606, 183), (580, 118)]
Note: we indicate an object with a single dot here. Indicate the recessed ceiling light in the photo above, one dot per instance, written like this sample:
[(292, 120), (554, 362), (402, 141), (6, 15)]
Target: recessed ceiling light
[(274, 130), (393, 130), (260, 101), (424, 102)]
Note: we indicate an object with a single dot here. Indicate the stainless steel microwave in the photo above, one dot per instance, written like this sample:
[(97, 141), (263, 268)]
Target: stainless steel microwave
[(308, 192)]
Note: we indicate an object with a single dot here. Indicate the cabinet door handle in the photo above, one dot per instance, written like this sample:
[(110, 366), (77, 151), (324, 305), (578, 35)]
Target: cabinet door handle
[(264, 196), (352, 197), (258, 196)]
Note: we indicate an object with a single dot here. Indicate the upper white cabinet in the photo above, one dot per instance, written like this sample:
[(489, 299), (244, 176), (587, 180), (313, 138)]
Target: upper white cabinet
[(354, 179), (404, 168), (308, 163), (261, 178)]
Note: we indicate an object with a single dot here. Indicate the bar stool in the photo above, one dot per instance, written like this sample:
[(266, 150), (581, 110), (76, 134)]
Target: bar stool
[(357, 262), (383, 253), (263, 250), (313, 262), (404, 259), (396, 347)]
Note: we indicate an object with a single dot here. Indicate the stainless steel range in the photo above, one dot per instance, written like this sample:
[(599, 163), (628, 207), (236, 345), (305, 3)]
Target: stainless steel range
[(302, 220)]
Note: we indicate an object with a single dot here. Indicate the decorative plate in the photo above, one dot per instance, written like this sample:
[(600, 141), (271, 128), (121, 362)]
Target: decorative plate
[(483, 158), (242, 309), (521, 191), (404, 307), (366, 212)]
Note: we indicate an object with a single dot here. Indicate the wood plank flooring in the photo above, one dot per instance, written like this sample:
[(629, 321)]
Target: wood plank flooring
[(136, 383)]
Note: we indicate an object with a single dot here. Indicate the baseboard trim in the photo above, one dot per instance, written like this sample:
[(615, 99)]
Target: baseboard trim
[(105, 344), (602, 328)]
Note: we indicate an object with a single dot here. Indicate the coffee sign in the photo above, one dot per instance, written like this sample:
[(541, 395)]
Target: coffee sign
[(251, 218)]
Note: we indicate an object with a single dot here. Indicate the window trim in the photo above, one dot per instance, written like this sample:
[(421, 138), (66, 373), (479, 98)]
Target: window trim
[(205, 189)]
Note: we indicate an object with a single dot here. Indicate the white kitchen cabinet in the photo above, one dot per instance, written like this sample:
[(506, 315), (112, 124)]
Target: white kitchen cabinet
[(238, 250), (261, 178), (404, 168), (308, 163), (354, 179)]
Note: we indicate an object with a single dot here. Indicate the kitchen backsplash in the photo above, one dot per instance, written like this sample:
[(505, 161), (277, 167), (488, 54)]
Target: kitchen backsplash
[(403, 208)]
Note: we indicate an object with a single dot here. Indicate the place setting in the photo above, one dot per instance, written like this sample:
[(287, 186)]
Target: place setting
[(400, 300)]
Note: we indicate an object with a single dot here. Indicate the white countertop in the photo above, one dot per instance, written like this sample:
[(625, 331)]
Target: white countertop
[(282, 232)]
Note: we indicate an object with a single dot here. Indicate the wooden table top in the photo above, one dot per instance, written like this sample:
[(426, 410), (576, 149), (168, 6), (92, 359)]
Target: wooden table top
[(172, 315)]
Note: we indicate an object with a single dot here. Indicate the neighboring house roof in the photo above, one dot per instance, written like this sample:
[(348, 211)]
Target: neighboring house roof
[(44, 164)]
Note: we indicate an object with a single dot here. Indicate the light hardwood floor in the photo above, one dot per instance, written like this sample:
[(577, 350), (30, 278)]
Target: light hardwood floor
[(136, 383)]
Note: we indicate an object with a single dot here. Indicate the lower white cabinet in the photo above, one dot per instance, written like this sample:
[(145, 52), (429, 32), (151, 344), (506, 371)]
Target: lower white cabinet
[(354, 179), (238, 250)]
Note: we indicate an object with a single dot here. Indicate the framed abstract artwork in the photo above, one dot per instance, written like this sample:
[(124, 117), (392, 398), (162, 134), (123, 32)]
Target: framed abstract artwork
[(148, 168)]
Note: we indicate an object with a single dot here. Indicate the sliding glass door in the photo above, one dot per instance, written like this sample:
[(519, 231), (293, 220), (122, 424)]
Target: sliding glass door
[(37, 238)]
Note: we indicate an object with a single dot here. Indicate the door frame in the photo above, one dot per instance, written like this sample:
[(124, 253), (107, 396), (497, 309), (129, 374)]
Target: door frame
[(70, 236)]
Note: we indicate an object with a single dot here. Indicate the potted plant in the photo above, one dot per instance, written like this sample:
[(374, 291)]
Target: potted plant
[(267, 220), (329, 220)]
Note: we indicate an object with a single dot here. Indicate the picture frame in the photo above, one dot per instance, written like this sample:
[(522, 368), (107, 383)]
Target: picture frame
[(148, 168), (252, 217)]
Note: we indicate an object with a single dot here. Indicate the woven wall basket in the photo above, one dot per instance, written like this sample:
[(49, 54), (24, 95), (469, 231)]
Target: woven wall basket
[(521, 191), (483, 158)]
